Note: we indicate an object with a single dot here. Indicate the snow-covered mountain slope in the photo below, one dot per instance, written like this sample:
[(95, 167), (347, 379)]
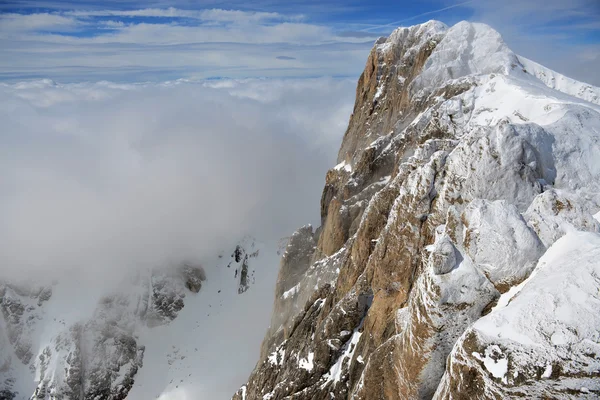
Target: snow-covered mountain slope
[(156, 334), (190, 358), (457, 253), (560, 82)]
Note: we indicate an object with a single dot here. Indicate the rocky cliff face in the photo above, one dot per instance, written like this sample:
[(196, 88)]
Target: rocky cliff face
[(457, 252)]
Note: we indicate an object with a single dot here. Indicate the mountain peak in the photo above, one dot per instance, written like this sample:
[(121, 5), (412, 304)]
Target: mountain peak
[(404, 71), (468, 49), (462, 168)]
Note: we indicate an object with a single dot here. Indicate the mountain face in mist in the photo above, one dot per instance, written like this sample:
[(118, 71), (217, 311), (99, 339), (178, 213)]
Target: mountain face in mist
[(150, 335), (458, 255)]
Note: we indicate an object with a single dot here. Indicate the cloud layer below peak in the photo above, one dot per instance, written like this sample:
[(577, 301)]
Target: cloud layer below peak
[(107, 177)]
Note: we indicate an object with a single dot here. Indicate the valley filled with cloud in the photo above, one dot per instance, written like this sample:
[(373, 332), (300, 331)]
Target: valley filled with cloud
[(106, 176)]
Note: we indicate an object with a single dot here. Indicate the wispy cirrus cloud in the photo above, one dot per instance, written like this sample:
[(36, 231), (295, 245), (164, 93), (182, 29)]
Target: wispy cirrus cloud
[(166, 43), (17, 23), (213, 14)]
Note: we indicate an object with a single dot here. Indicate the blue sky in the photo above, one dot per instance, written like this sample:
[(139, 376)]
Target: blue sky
[(161, 40)]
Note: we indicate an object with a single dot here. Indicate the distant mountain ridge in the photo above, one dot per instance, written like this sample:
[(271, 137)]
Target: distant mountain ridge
[(120, 345)]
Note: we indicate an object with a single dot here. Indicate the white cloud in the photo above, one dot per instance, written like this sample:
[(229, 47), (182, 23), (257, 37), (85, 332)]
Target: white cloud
[(214, 14), (11, 22), (113, 24), (166, 34), (237, 16), (104, 177)]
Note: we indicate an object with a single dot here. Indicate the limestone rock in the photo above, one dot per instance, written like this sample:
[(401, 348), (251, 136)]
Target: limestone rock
[(458, 170)]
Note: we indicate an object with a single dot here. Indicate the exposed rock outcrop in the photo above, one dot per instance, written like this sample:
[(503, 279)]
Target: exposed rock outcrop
[(457, 172)]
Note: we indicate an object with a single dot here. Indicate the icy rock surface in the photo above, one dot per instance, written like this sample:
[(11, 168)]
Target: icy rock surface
[(545, 341)]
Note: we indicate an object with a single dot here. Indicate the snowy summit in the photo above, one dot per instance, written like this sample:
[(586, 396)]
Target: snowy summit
[(458, 256)]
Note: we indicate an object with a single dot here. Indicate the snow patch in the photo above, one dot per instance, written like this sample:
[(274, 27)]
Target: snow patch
[(547, 372), (307, 363), (379, 92), (335, 372), (560, 82), (494, 361), (276, 358), (343, 165), (291, 292)]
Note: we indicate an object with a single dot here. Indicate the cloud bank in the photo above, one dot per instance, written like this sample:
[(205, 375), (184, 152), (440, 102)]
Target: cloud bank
[(105, 177)]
